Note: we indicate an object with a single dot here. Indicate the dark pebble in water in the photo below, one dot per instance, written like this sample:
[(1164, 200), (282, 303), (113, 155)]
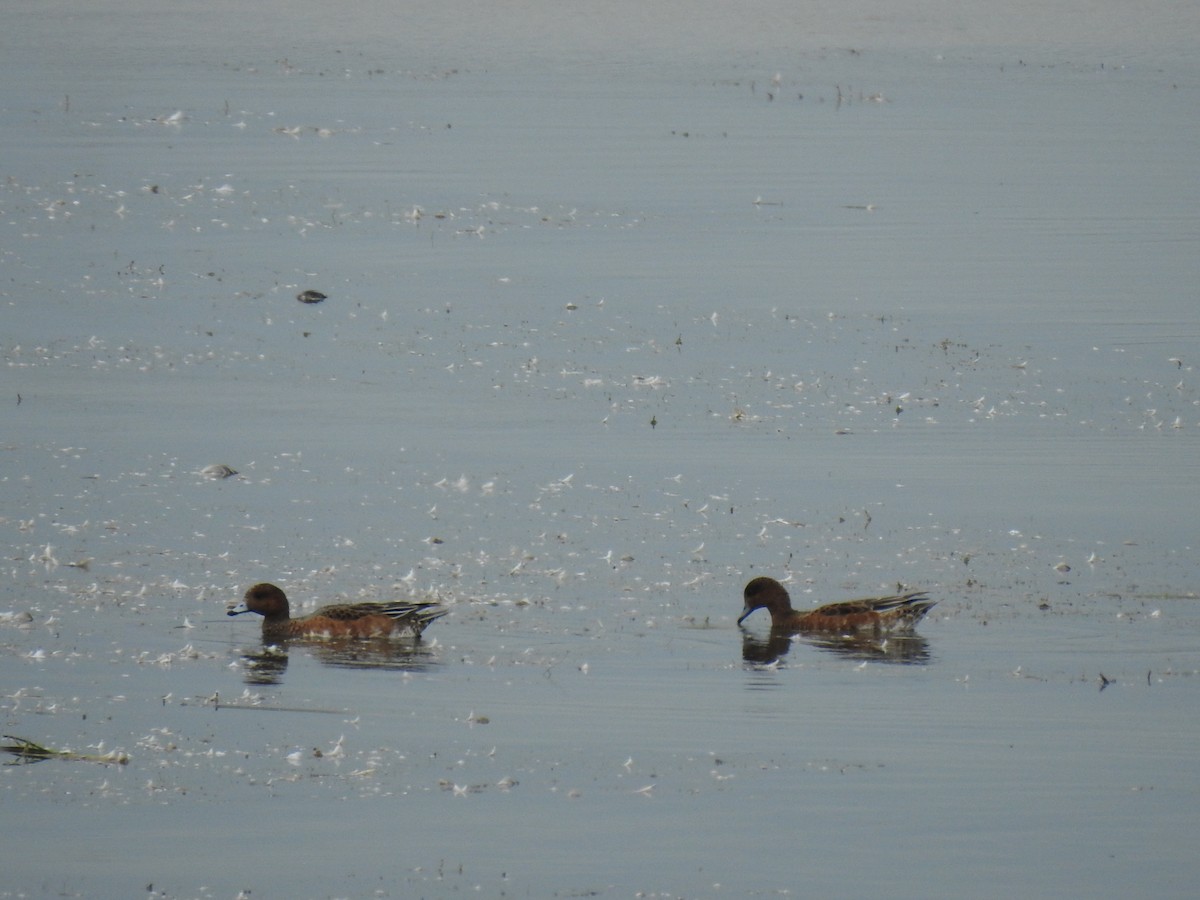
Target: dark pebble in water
[(310, 296)]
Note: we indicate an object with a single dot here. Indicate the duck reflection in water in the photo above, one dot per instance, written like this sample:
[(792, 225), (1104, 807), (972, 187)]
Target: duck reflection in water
[(904, 649), (875, 628), (266, 665)]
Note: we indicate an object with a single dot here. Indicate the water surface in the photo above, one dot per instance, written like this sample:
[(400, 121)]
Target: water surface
[(624, 308)]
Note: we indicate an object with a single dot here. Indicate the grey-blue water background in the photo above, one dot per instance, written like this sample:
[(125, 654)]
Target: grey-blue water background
[(627, 303)]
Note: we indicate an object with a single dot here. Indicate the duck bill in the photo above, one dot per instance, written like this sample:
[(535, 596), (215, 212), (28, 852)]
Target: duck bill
[(742, 618), (237, 609)]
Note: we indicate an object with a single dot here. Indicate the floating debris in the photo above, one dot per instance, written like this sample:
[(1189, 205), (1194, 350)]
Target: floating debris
[(28, 751), (310, 297)]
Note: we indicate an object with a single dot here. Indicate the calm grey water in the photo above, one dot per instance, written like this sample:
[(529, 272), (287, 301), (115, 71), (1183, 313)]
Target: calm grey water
[(625, 307)]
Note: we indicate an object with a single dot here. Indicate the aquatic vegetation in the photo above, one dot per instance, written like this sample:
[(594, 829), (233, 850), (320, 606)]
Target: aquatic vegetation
[(28, 751)]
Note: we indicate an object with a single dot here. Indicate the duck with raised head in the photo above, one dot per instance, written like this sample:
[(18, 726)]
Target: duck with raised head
[(340, 620)]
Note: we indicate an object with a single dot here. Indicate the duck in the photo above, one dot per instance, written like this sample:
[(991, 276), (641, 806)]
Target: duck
[(899, 612), (339, 620)]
